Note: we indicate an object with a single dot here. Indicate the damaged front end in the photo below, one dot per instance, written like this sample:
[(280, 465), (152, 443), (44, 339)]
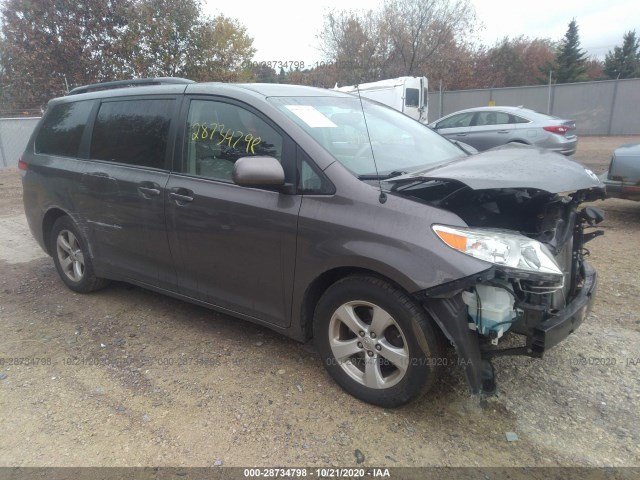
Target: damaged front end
[(537, 284)]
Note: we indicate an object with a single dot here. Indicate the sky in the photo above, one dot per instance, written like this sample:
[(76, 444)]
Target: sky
[(282, 32)]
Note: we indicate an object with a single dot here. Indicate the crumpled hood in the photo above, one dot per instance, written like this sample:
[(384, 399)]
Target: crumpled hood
[(514, 167)]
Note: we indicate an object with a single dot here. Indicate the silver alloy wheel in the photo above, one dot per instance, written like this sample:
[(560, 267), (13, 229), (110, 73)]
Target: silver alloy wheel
[(368, 344), (70, 255)]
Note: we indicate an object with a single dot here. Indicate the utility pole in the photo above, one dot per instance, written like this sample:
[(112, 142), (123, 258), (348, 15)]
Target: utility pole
[(549, 99)]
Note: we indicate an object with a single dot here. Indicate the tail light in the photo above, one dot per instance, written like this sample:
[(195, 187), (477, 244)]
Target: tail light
[(22, 165), (559, 129)]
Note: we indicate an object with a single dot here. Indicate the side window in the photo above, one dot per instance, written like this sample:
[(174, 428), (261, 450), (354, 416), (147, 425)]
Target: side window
[(456, 121), (517, 119), (310, 180), (492, 118), (133, 132), (62, 129), (412, 97), (220, 133)]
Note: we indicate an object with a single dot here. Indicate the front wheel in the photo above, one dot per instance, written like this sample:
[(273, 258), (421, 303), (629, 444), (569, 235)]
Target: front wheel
[(71, 257), (377, 343)]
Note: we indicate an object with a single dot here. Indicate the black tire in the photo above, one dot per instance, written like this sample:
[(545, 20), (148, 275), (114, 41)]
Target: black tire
[(71, 257), (406, 335)]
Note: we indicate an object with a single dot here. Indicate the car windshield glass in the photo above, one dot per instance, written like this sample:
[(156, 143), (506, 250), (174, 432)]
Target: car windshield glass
[(343, 126)]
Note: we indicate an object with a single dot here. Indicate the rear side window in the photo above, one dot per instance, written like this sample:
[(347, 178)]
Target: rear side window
[(62, 129), (134, 132), (517, 119)]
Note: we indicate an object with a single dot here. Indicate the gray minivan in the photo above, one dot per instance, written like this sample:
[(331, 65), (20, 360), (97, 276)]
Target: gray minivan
[(320, 215)]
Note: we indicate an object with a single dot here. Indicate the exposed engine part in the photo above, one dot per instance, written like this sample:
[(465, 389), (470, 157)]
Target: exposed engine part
[(491, 310)]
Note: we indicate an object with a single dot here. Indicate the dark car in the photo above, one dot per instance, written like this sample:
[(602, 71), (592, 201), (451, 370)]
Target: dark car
[(320, 216), (622, 180), (488, 127)]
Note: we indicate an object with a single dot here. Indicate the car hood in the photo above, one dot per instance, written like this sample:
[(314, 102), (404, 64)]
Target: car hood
[(513, 167)]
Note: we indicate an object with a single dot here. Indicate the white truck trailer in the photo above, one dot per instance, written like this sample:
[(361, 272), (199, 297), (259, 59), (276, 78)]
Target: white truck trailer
[(406, 94)]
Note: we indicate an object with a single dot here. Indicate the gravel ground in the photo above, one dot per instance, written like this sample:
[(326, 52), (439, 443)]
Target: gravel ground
[(127, 377)]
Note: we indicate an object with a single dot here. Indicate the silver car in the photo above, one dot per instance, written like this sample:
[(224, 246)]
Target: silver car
[(487, 127)]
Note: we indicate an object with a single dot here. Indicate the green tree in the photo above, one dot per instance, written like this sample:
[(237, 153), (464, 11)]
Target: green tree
[(221, 52), (570, 59), (624, 62)]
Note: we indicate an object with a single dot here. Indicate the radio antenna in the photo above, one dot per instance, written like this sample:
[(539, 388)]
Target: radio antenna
[(383, 196)]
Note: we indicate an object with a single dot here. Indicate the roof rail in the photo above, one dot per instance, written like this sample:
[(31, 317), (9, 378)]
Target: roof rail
[(135, 82)]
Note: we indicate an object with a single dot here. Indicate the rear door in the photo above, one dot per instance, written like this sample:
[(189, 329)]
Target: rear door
[(234, 246), (125, 182), (490, 129)]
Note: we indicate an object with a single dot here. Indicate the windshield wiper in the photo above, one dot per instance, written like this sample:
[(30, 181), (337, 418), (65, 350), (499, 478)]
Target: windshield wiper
[(386, 176)]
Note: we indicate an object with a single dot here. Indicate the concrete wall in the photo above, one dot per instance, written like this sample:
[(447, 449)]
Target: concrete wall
[(14, 135), (611, 107)]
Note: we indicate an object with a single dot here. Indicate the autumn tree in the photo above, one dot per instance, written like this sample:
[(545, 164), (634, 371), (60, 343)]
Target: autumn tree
[(456, 66), (514, 62), (595, 69), (624, 62), (48, 47), (167, 38), (570, 63)]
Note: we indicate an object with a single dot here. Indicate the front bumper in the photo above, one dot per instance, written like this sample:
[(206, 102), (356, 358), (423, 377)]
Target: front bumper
[(451, 315), (618, 189), (554, 330)]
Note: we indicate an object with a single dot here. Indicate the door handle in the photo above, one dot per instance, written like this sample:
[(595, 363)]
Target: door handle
[(461, 134), (149, 192), (504, 131), (99, 174), (149, 189), (181, 196)]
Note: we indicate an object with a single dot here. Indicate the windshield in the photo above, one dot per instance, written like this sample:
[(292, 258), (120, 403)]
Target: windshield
[(399, 143)]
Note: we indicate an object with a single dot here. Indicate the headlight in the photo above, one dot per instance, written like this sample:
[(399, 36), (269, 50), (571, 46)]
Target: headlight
[(518, 255)]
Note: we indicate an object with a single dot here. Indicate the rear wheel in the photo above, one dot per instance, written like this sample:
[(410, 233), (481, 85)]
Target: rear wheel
[(377, 343), (71, 257)]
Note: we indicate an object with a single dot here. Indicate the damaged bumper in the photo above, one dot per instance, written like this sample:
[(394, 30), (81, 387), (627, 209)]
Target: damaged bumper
[(451, 314), (552, 331)]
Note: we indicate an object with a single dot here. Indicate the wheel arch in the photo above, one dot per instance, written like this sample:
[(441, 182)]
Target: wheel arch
[(49, 219), (320, 285)]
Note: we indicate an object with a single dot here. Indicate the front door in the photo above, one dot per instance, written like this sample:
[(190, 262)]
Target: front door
[(234, 246)]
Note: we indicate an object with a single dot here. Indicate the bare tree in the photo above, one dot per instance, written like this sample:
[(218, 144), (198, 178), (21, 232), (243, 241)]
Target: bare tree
[(402, 38), (351, 41), (418, 29)]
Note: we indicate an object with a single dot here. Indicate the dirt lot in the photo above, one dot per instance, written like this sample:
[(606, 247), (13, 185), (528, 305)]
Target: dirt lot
[(126, 377)]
